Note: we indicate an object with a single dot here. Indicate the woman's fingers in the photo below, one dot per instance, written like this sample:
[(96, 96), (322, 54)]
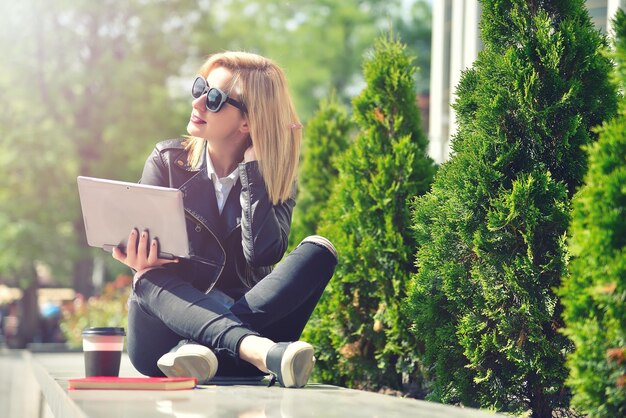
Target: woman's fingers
[(142, 248), (153, 255), (140, 255), (118, 254), (249, 154), (131, 245)]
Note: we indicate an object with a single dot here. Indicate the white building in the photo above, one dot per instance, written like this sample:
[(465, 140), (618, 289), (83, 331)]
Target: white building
[(455, 45)]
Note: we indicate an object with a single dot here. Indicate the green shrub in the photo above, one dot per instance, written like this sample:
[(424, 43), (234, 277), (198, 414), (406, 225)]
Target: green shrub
[(595, 293), (491, 233), (362, 338), (325, 138)]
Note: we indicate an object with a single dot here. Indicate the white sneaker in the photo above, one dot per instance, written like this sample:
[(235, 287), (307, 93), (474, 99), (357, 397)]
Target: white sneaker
[(189, 360), (291, 363)]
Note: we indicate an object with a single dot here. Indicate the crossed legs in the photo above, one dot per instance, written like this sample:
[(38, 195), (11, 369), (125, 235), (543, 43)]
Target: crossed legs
[(165, 309)]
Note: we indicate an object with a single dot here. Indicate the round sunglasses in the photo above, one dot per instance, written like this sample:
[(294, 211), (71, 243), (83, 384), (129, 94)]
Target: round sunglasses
[(215, 98)]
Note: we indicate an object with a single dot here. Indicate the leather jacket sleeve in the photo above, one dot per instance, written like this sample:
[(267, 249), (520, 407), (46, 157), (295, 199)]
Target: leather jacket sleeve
[(154, 170), (264, 226)]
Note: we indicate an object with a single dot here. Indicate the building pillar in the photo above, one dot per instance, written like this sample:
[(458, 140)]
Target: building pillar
[(455, 45), (611, 9), (439, 80)]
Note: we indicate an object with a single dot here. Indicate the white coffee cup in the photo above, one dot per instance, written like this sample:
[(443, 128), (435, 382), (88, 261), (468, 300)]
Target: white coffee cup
[(103, 350)]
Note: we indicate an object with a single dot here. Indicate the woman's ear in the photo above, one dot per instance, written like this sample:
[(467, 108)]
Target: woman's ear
[(245, 126)]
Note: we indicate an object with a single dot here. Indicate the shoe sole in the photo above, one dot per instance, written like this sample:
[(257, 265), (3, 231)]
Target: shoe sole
[(297, 364), (187, 365)]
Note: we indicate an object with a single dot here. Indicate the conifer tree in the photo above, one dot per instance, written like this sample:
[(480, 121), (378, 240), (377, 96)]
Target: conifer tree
[(593, 295), (325, 138), (490, 234), (362, 338)]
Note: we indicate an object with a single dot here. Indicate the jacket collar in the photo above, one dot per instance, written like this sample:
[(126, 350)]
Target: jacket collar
[(200, 201)]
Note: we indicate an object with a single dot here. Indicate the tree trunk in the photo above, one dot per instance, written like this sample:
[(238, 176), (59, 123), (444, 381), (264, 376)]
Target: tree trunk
[(539, 404), (83, 267), (29, 322)]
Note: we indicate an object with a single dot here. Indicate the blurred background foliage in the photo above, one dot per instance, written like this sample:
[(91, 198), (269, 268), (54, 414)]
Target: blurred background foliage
[(89, 87), (107, 309)]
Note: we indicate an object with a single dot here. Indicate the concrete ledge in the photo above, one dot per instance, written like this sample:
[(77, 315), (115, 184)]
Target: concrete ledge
[(20, 396), (56, 398), (51, 371)]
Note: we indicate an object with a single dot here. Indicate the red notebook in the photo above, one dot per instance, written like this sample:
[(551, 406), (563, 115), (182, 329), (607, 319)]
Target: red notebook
[(132, 383)]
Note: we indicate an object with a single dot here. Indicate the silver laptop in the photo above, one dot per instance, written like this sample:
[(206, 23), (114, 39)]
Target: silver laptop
[(111, 209)]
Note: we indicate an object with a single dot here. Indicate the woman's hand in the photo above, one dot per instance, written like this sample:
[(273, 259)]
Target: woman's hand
[(140, 257), (249, 154)]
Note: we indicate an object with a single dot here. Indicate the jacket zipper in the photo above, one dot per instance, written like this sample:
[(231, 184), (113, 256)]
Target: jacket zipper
[(199, 222)]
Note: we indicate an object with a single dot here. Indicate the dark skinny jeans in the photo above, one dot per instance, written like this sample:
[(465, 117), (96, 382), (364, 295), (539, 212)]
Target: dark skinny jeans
[(164, 309)]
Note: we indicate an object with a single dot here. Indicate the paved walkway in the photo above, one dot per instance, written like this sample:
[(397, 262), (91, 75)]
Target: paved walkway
[(50, 371)]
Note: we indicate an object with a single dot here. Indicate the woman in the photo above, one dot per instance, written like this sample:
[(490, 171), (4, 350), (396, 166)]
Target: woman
[(227, 311)]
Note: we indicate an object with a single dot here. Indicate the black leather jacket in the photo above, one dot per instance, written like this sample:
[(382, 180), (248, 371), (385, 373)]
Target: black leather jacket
[(235, 249)]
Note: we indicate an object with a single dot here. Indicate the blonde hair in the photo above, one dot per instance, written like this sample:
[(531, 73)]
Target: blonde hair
[(274, 125)]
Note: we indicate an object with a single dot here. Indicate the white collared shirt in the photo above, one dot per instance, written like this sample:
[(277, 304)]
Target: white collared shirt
[(222, 185)]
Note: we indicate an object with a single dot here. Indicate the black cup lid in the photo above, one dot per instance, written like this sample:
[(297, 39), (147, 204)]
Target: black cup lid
[(104, 331)]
